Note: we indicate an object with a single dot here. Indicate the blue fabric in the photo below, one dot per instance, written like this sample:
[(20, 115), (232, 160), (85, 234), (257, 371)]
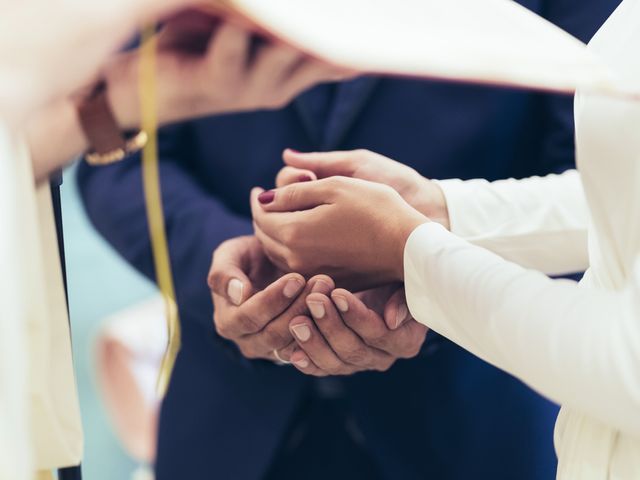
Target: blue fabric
[(444, 415)]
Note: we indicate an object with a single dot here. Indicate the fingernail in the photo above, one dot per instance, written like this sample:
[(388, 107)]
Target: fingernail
[(234, 291), (302, 332), (321, 287), (341, 303), (293, 150), (304, 178), (304, 363), (266, 197), (316, 309), (401, 314), (292, 287)]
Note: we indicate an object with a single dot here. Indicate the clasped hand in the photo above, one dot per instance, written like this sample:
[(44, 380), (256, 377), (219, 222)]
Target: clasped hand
[(273, 314)]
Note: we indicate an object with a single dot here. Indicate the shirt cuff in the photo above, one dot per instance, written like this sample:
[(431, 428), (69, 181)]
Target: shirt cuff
[(467, 203)]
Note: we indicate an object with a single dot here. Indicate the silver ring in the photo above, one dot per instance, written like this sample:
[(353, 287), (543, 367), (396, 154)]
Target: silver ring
[(280, 361)]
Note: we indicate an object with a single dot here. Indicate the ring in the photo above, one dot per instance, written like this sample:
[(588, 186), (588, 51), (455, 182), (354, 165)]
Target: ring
[(280, 361)]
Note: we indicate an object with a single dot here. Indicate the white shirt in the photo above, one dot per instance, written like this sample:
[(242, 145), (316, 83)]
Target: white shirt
[(577, 344)]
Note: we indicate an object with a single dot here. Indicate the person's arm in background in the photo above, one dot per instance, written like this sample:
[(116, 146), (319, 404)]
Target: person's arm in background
[(113, 198)]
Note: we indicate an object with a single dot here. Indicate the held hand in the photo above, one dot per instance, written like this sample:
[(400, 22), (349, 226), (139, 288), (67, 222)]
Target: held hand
[(254, 302), (346, 336), (352, 230), (208, 67), (421, 193)]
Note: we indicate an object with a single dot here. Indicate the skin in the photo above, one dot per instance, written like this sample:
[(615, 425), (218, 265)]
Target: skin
[(205, 67), (267, 313), (304, 228)]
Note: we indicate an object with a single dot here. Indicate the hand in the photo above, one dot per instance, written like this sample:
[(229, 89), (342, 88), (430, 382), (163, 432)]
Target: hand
[(421, 193), (49, 48), (352, 230), (206, 67), (254, 302), (346, 336)]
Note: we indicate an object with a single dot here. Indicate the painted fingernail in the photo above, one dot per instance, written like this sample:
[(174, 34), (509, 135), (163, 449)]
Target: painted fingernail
[(302, 332), (316, 309), (292, 287), (267, 197), (304, 363), (293, 150), (401, 314), (235, 290), (304, 178), (341, 303)]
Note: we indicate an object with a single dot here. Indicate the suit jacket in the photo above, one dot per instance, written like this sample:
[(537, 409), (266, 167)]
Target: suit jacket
[(443, 415)]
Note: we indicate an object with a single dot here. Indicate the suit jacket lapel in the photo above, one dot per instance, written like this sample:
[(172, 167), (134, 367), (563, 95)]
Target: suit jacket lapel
[(350, 100)]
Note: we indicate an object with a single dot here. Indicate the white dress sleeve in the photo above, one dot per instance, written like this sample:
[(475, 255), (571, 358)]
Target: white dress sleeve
[(577, 346), (538, 222)]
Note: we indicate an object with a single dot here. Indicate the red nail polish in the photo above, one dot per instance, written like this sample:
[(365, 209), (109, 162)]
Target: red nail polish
[(267, 197), (304, 178), (293, 150)]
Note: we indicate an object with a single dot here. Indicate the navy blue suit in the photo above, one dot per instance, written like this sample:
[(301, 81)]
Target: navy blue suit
[(444, 415)]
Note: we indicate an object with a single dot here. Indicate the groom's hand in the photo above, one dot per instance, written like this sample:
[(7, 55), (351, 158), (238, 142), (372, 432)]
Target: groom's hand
[(254, 302), (349, 333)]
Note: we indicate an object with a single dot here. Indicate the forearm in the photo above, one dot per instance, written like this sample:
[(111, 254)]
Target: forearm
[(575, 345)]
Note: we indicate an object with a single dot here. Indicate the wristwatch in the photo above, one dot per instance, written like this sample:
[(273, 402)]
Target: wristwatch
[(108, 143)]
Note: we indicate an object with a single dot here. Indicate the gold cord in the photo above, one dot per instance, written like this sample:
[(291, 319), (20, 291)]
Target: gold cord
[(153, 200)]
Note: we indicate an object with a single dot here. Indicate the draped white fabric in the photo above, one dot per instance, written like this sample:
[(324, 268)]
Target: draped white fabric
[(577, 344), (39, 409)]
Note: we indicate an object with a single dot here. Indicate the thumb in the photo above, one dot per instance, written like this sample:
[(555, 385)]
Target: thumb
[(396, 311), (228, 274), (323, 164), (290, 175)]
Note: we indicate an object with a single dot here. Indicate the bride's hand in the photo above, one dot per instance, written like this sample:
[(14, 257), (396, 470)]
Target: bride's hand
[(421, 193), (352, 230)]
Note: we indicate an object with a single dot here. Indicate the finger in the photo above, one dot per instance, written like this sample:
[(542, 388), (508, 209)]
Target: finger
[(276, 334), (297, 197), (228, 50), (256, 312), (396, 311), (273, 249), (324, 164), (309, 73), (315, 346), (272, 65), (290, 175), (227, 276), (302, 362), (189, 30), (348, 346), (360, 318), (402, 343)]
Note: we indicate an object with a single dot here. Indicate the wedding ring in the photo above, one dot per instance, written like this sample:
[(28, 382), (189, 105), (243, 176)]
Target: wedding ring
[(279, 360)]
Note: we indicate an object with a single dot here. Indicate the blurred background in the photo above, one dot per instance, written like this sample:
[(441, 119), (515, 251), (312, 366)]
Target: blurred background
[(100, 285)]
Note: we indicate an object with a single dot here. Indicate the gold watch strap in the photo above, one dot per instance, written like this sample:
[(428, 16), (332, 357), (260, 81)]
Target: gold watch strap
[(108, 143)]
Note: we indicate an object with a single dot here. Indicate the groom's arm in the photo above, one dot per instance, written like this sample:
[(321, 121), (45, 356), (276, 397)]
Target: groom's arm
[(196, 221)]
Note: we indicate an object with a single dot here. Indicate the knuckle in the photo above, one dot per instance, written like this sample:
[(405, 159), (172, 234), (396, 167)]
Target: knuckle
[(357, 356), (385, 365), (274, 338), (216, 280), (246, 323)]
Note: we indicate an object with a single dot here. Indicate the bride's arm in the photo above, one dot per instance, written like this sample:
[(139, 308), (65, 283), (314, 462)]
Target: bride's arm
[(577, 346), (537, 222)]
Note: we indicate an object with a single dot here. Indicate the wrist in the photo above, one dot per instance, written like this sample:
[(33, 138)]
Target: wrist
[(429, 199), (406, 226)]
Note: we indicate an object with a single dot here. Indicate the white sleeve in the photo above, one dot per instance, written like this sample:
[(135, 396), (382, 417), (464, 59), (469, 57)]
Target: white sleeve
[(538, 222), (578, 346)]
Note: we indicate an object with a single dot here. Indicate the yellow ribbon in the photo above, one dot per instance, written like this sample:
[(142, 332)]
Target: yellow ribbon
[(153, 201)]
